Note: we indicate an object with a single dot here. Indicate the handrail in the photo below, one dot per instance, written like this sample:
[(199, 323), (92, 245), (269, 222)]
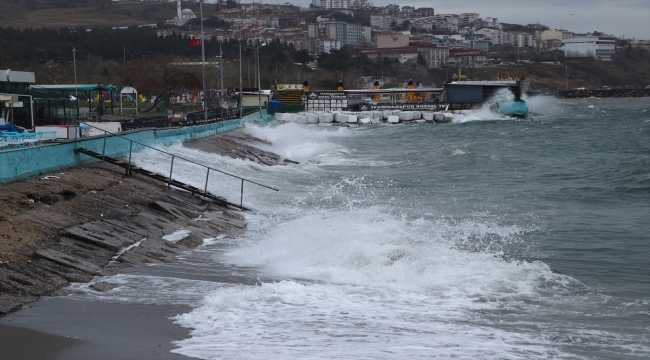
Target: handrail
[(172, 162)]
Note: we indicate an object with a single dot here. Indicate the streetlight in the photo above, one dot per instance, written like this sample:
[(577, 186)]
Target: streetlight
[(221, 75), (205, 99), (259, 88)]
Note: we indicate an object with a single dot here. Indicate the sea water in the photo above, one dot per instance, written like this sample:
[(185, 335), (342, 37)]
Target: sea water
[(487, 238)]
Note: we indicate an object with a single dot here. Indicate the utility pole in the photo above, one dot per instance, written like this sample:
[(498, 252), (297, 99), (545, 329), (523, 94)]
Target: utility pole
[(221, 68), (74, 66), (240, 77), (259, 89), (566, 74), (205, 99)]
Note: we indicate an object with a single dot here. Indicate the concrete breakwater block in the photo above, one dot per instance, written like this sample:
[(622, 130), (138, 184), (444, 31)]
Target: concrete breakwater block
[(325, 118), (443, 118), (393, 119), (365, 121), (312, 119), (341, 118), (386, 113), (406, 116), (352, 119), (377, 115), (417, 115), (375, 121), (428, 116)]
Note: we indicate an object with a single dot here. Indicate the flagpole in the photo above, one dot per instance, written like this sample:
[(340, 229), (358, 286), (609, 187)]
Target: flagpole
[(205, 99)]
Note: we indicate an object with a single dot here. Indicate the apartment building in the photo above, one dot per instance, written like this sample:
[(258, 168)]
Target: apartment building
[(468, 18), (332, 4), (327, 36), (275, 9), (381, 22)]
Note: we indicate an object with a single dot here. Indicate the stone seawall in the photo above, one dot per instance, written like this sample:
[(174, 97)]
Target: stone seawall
[(615, 93), (72, 226), (78, 223)]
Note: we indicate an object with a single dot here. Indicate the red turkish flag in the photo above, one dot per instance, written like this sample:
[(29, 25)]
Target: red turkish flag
[(195, 42)]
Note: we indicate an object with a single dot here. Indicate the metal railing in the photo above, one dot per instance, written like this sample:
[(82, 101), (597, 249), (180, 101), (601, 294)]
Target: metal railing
[(171, 169)]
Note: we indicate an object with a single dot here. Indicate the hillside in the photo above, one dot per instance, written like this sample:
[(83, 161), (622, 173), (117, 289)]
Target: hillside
[(25, 14)]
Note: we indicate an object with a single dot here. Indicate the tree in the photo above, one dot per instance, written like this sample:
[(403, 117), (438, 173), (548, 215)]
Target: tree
[(421, 60), (161, 79), (54, 72), (302, 56), (231, 4)]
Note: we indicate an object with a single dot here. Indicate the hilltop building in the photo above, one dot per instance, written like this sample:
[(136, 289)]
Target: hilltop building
[(182, 15), (598, 47)]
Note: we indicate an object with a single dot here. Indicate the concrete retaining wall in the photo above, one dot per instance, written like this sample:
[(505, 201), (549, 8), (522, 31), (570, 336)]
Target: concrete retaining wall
[(22, 163)]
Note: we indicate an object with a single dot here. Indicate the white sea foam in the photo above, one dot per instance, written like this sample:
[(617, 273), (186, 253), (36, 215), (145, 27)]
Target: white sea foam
[(373, 286), (290, 320), (489, 109), (360, 279)]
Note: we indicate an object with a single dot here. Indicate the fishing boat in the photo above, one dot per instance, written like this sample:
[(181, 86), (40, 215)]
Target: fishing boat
[(466, 94)]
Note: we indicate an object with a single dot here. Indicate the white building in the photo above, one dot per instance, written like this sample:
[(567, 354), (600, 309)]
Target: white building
[(332, 4), (182, 16), (598, 47), (495, 36), (492, 23)]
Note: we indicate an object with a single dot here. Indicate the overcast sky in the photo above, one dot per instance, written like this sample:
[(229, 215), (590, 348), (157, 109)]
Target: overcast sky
[(629, 18)]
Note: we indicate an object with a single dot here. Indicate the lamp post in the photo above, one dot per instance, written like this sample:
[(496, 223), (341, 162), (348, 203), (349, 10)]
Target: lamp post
[(221, 68), (240, 77), (74, 65), (566, 75), (259, 89), (205, 100), (259, 75)]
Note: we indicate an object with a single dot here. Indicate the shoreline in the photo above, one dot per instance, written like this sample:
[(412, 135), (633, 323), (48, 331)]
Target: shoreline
[(87, 222)]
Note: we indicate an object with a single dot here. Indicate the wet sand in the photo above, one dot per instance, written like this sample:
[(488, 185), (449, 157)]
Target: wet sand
[(59, 328)]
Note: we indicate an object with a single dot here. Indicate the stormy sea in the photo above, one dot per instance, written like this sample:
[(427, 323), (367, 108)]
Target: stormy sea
[(485, 238)]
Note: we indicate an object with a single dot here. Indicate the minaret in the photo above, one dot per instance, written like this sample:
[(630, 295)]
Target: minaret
[(178, 9)]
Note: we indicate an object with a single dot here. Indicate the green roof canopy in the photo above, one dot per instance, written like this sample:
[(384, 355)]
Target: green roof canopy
[(22, 90), (73, 87)]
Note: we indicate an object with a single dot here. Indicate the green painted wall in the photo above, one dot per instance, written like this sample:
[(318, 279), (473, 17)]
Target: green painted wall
[(22, 163)]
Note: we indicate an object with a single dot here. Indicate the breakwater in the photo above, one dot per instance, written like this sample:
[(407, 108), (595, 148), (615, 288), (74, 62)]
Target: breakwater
[(614, 93)]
